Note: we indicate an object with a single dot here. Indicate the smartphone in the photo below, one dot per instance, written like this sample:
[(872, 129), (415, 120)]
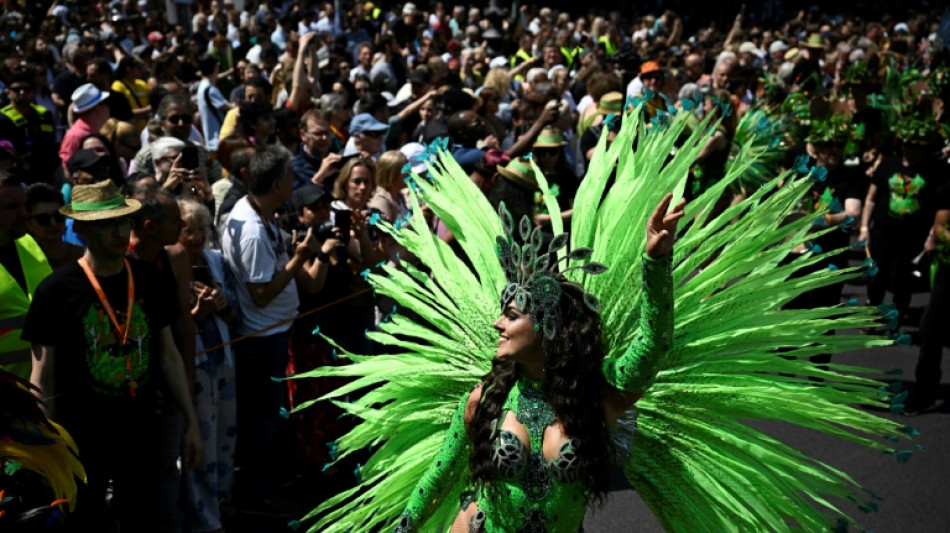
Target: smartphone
[(202, 274), (189, 157)]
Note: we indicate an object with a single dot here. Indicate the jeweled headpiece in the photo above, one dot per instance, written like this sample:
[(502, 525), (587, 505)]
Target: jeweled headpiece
[(532, 274)]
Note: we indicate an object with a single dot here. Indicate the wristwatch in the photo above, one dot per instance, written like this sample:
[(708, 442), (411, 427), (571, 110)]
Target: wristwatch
[(322, 256)]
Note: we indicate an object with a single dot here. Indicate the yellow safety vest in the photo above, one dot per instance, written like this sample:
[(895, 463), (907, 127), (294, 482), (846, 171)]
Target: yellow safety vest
[(46, 123), (569, 55), (610, 47), (520, 57), (15, 303)]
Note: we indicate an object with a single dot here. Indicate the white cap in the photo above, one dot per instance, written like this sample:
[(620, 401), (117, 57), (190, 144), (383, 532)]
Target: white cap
[(415, 152), (409, 9), (778, 46), (901, 26), (498, 62), (748, 47)]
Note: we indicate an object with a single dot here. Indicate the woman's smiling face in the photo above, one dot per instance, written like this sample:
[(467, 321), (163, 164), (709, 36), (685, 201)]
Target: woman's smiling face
[(517, 339)]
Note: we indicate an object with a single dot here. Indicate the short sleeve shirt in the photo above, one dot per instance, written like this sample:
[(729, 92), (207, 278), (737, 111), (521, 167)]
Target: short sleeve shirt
[(255, 253)]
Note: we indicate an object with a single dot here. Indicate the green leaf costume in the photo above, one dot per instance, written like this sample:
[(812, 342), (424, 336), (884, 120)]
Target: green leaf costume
[(721, 356)]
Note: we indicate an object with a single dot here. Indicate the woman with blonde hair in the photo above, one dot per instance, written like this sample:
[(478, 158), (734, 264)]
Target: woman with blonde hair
[(388, 197)]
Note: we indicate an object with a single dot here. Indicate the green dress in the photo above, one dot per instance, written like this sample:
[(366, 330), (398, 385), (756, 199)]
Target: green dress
[(530, 492)]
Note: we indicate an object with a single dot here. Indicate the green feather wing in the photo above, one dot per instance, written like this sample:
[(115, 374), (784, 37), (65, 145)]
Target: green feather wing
[(694, 461), (414, 389)]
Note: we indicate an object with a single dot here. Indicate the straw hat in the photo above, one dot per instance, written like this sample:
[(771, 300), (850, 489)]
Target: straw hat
[(520, 172), (611, 102), (99, 201), (815, 41), (550, 137)]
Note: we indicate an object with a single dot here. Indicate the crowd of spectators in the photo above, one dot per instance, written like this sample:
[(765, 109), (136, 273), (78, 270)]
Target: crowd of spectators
[(264, 140)]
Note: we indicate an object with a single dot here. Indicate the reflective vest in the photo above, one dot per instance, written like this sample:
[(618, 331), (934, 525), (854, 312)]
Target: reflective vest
[(609, 47), (570, 54), (520, 57), (15, 303), (46, 119)]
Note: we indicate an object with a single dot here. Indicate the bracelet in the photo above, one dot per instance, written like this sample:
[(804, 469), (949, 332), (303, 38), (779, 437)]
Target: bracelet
[(322, 256)]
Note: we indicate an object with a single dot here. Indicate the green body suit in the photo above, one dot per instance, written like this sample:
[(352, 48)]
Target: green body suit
[(532, 493)]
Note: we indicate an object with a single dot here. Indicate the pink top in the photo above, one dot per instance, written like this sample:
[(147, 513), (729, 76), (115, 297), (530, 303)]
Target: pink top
[(70, 144)]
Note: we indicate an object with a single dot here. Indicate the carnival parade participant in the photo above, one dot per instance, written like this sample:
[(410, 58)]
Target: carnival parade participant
[(580, 341)]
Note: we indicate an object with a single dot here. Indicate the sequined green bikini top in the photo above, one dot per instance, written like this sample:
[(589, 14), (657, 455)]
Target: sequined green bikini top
[(510, 457)]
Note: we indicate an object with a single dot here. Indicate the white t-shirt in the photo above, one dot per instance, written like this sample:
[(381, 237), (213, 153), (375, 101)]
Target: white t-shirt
[(211, 116), (255, 254)]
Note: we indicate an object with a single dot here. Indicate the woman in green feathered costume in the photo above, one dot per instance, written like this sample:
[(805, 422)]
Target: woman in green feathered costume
[(552, 374), (535, 432)]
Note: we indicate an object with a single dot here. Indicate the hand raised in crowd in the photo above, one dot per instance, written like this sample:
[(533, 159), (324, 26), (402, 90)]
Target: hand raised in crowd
[(661, 229), (214, 294), (204, 301), (307, 247), (176, 175), (358, 223), (548, 116), (328, 167), (307, 39), (491, 142), (332, 243)]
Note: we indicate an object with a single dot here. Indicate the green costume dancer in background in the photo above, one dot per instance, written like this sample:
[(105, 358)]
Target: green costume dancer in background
[(590, 326)]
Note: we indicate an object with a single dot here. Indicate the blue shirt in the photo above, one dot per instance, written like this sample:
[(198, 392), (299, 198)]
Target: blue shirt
[(305, 166)]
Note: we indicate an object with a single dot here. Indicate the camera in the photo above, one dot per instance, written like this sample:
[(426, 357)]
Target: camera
[(323, 231), (340, 218)]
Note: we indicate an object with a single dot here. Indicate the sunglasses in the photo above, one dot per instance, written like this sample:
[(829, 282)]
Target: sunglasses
[(175, 119), (21, 89), (45, 219), (373, 134)]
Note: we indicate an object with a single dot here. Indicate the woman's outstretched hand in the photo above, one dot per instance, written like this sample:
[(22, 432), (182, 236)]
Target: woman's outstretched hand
[(661, 229)]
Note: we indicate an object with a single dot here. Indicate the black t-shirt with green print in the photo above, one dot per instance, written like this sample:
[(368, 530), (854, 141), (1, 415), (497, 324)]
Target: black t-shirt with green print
[(92, 372), (907, 195)]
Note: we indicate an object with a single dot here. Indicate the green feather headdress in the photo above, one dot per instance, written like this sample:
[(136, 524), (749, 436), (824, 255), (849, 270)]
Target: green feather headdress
[(532, 275)]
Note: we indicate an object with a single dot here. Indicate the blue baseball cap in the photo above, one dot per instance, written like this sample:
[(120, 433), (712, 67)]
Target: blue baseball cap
[(366, 122)]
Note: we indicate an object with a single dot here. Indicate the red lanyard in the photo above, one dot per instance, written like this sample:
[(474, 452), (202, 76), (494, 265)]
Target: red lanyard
[(122, 331)]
